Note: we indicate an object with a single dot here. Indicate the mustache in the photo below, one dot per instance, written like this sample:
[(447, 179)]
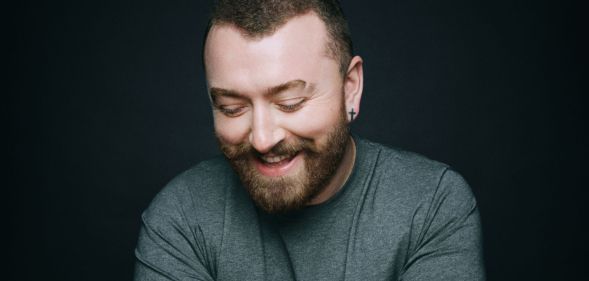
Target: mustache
[(244, 150)]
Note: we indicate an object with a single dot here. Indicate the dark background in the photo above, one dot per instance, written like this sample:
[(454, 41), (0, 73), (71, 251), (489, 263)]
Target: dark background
[(107, 102)]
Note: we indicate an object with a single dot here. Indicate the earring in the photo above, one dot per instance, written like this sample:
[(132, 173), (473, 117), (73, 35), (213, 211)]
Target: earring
[(352, 113)]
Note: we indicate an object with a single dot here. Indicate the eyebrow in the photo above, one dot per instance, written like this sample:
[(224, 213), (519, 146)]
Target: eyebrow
[(272, 91)]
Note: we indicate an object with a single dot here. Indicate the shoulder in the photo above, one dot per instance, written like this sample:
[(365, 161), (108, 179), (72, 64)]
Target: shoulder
[(394, 165), (410, 179), (396, 158), (194, 197), (204, 181), (180, 228)]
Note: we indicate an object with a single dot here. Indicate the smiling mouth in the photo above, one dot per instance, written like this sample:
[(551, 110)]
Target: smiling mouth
[(277, 165), (276, 160)]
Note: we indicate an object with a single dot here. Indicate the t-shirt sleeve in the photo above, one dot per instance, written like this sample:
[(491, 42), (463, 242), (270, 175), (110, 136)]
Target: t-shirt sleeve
[(168, 247), (449, 236)]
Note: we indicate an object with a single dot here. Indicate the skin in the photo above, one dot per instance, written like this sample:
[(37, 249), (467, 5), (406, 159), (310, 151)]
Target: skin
[(279, 87)]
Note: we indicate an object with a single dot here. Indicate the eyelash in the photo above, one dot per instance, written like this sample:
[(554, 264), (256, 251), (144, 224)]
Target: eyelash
[(284, 107), (291, 107), (230, 112)]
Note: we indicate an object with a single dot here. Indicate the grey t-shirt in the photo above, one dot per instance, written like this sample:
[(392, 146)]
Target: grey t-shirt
[(400, 216)]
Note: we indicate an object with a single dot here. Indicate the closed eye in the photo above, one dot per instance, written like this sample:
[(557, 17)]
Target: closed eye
[(231, 111), (291, 105)]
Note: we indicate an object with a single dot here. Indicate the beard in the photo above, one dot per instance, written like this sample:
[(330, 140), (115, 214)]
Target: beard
[(284, 194)]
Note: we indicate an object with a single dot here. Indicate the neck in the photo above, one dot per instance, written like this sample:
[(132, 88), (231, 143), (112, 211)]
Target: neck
[(341, 175)]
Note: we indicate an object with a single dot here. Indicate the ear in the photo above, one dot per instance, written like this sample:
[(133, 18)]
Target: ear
[(353, 85)]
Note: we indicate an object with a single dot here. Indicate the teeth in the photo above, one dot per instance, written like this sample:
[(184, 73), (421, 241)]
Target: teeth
[(274, 159)]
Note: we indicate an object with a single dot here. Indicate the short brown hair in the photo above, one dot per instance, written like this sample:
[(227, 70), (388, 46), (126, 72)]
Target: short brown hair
[(259, 18)]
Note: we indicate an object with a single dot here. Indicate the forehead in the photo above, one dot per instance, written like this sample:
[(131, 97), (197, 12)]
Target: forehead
[(296, 50)]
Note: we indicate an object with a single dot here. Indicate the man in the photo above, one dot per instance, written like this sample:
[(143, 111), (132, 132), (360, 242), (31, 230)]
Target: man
[(296, 197)]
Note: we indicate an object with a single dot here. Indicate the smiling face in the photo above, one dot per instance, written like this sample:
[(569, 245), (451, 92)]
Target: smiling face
[(279, 106)]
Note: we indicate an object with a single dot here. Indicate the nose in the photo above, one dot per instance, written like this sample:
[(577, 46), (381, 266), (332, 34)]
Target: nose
[(265, 132)]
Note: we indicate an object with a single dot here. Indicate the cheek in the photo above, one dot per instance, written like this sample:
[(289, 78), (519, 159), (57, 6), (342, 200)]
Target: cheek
[(231, 130), (315, 121)]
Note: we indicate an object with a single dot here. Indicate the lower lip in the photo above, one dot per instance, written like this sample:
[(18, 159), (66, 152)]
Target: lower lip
[(280, 169)]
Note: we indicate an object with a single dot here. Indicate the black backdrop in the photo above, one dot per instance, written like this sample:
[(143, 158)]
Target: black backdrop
[(107, 103)]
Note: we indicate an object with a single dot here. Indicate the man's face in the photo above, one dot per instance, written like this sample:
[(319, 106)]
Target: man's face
[(278, 107)]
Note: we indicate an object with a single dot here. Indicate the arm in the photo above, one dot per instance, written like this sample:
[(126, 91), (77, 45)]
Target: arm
[(449, 245), (168, 247)]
